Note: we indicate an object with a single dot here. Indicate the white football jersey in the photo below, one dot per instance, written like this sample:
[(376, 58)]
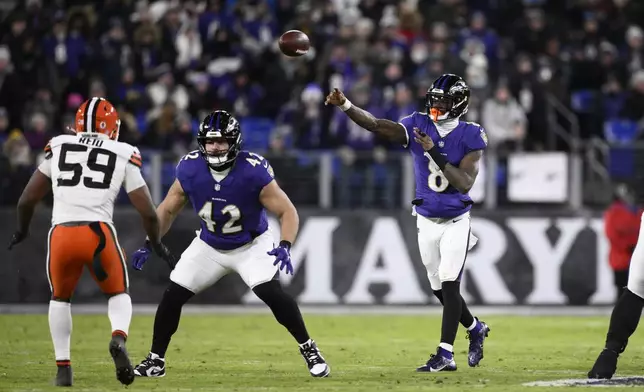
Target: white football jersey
[(87, 172)]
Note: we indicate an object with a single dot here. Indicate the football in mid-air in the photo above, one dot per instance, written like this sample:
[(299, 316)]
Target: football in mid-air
[(294, 43)]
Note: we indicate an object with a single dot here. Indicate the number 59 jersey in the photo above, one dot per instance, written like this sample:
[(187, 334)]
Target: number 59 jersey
[(227, 203), (87, 173)]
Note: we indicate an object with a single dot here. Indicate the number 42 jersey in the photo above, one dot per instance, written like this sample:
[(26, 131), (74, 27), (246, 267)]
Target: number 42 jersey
[(227, 203), (87, 173)]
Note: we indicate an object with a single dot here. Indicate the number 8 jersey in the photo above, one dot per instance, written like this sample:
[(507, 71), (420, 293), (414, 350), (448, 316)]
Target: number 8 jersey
[(227, 202), (439, 198), (87, 172)]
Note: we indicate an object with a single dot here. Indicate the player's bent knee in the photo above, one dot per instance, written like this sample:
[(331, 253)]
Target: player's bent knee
[(177, 295), (629, 291)]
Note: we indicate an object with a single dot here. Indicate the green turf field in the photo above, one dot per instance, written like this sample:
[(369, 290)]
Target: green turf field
[(366, 353)]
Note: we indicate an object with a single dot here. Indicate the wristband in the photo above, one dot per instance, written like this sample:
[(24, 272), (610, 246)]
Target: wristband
[(436, 156), (346, 105), (285, 244)]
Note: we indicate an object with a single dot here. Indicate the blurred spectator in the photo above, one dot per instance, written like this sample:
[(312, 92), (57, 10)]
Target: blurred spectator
[(42, 102), (634, 105), (166, 90), (504, 120), (635, 50), (10, 90), (622, 226), (38, 133), (4, 125)]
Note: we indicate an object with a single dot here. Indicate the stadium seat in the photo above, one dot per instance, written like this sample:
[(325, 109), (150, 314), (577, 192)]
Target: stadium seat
[(621, 163), (620, 131), (583, 101), (257, 132)]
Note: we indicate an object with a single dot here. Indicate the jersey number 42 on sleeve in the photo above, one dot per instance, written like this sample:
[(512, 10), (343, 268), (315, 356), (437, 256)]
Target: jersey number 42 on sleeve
[(436, 180), (93, 165), (231, 227)]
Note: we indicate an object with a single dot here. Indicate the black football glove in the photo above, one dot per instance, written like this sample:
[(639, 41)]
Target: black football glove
[(17, 238), (163, 252)]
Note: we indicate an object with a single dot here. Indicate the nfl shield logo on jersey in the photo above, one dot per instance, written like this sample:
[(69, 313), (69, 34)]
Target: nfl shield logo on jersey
[(217, 187), (441, 144)]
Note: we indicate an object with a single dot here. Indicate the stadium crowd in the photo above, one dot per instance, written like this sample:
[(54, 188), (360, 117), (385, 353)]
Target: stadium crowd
[(166, 63)]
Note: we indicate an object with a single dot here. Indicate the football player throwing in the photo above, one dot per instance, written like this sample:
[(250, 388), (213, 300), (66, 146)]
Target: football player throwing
[(446, 153)]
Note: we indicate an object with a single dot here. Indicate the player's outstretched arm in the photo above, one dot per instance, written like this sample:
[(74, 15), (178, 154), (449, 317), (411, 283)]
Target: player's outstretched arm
[(277, 202), (387, 129), (170, 207), (142, 201), (37, 187), (461, 177)]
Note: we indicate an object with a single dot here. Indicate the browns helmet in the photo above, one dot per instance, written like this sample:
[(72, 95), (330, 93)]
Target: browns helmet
[(97, 115)]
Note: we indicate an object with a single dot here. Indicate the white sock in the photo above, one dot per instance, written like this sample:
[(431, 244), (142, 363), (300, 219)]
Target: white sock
[(156, 356), (447, 347), (119, 310), (60, 326), (306, 343), (474, 324)]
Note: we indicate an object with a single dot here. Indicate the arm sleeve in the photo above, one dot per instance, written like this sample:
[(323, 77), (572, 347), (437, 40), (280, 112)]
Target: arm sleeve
[(133, 178), (476, 140), (45, 167), (408, 123)]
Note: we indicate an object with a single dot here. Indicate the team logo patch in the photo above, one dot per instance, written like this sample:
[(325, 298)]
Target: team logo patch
[(102, 125), (484, 136), (614, 382), (270, 171)]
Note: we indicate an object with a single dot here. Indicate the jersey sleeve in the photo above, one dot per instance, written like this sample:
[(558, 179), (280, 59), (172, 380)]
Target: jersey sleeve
[(135, 158), (133, 178), (408, 123), (476, 139), (261, 170), (183, 172), (48, 152), (45, 167)]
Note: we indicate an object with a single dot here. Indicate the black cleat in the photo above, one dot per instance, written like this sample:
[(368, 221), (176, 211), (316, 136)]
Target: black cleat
[(605, 365), (124, 370), (152, 366), (314, 360), (64, 377)]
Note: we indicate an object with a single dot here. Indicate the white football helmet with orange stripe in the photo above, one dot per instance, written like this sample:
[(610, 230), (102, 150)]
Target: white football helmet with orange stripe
[(97, 115)]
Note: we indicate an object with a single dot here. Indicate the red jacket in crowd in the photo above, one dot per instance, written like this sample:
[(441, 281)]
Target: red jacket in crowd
[(622, 226)]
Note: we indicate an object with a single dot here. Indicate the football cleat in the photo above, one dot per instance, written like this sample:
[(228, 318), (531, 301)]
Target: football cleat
[(477, 337), (64, 377), (124, 370), (442, 361), (152, 366), (314, 360), (605, 365)]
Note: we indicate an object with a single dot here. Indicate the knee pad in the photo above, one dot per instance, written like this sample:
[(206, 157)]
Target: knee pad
[(450, 273)]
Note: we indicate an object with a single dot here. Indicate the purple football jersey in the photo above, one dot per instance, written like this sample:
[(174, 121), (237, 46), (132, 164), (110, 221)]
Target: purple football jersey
[(439, 198), (230, 211)]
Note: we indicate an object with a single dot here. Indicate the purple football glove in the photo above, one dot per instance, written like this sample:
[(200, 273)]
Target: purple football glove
[(283, 256), (141, 256)]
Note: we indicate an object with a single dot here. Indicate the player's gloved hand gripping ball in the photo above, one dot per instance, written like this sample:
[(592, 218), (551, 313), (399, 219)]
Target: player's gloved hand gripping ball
[(283, 256), (142, 254)]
